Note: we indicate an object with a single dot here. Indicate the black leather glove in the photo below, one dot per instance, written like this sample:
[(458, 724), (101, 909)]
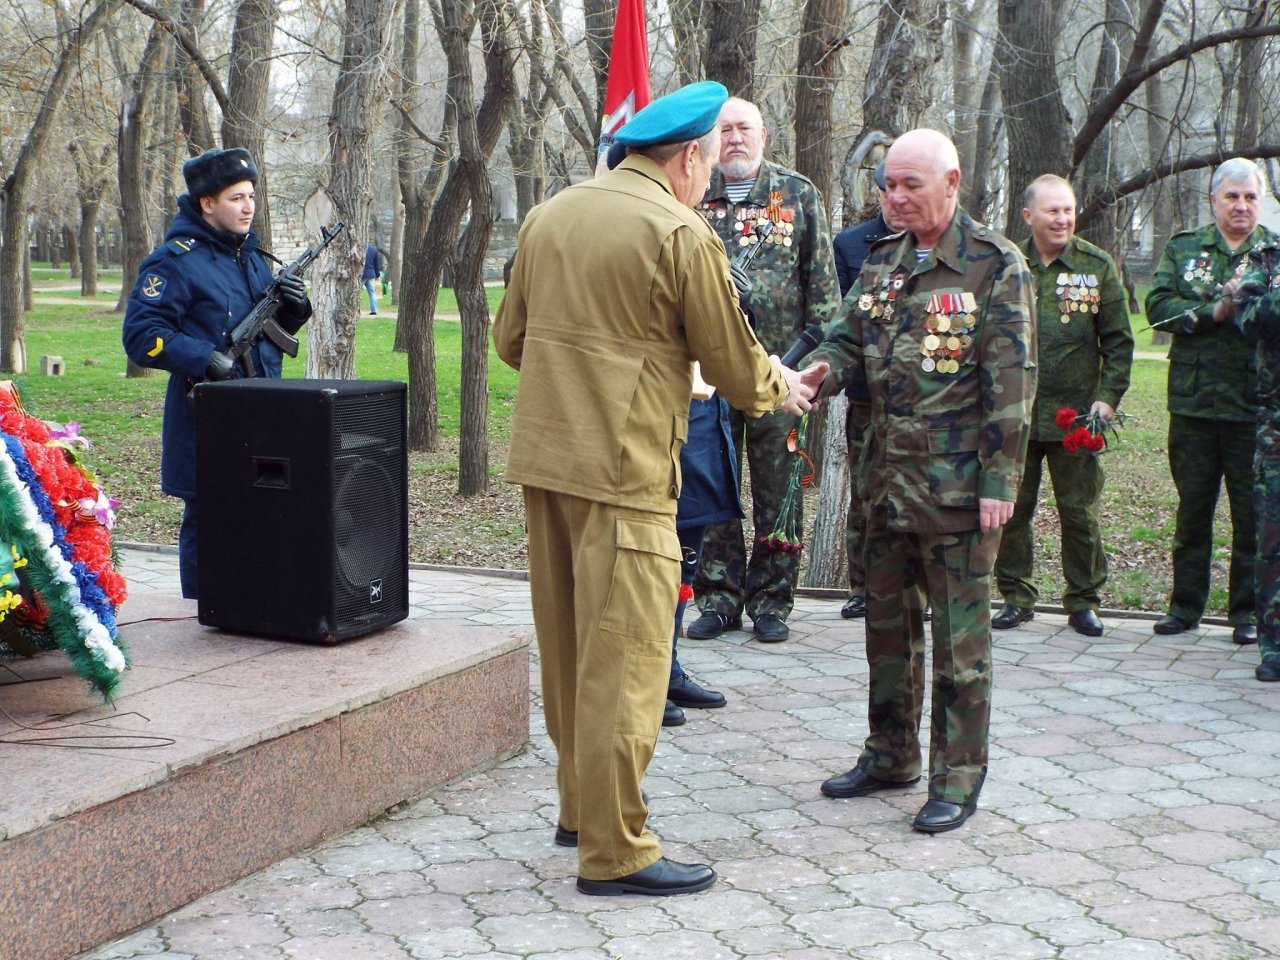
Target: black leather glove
[(220, 367), (741, 280), (293, 291)]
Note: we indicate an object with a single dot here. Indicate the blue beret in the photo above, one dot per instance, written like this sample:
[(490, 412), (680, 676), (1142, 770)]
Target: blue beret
[(687, 114), (880, 176), (214, 170)]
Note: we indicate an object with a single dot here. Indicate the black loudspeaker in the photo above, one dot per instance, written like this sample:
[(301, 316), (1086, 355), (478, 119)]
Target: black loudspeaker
[(302, 488)]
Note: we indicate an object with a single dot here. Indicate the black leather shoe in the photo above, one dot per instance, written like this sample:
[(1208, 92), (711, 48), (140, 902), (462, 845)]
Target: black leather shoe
[(771, 628), (858, 783), (1245, 634), (854, 607), (660, 879), (672, 716), (1011, 615), (939, 816), (1168, 625), (685, 693), (566, 838), (1086, 622), (711, 624), (1268, 670)]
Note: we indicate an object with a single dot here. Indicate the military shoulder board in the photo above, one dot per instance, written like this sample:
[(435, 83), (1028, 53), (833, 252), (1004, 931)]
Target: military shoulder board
[(181, 245)]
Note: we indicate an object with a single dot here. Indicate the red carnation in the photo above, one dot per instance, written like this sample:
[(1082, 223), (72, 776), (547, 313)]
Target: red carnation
[(685, 594), (1065, 418), (1096, 442)]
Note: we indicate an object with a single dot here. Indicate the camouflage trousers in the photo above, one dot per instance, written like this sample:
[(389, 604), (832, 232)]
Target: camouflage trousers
[(856, 420), (1266, 504), (1202, 455), (728, 582), (1077, 487), (905, 573)]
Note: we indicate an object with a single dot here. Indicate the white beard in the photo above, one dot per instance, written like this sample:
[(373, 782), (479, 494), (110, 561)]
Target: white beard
[(740, 168)]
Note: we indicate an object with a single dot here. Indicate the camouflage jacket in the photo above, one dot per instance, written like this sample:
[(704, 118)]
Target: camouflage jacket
[(1084, 343), (948, 354), (1260, 317), (794, 275), (1211, 365)]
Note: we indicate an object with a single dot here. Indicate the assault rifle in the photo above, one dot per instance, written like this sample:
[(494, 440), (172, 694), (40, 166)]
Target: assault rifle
[(261, 320)]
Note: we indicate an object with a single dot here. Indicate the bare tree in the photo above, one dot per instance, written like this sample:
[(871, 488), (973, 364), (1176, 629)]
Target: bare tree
[(358, 92), (473, 305), (730, 52), (71, 40), (248, 87), (93, 177)]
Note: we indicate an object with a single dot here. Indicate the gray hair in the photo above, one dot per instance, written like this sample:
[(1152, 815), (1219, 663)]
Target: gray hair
[(662, 152), (1235, 170)]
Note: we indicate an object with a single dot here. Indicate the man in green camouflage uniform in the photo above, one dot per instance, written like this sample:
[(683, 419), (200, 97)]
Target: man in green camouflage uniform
[(939, 325), (773, 218), (1213, 400), (1084, 350), (1261, 318)]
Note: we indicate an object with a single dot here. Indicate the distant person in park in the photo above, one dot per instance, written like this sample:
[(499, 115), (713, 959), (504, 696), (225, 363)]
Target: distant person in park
[(1213, 393), (617, 287), (939, 328), (191, 292), (852, 244), (372, 271), (1260, 317), (1085, 352), (754, 203)]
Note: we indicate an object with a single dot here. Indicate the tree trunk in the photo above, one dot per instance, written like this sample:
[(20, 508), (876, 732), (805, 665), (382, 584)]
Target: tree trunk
[(360, 87), (189, 85), (817, 68), (1039, 128), (1248, 119), (13, 193), (817, 71), (473, 304), (248, 87), (730, 54), (828, 557), (898, 88), (89, 210), (396, 251), (70, 240), (131, 164), (1095, 174), (27, 303), (980, 199), (687, 32)]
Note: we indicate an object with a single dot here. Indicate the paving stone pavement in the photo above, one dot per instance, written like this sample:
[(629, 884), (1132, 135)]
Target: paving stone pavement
[(1132, 812)]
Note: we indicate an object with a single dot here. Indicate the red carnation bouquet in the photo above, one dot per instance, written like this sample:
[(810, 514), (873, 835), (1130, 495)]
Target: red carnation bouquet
[(1087, 432)]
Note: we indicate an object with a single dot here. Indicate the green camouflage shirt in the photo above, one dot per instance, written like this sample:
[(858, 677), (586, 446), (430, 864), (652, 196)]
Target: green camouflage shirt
[(1211, 365), (1084, 340), (794, 273), (1260, 317), (946, 348)]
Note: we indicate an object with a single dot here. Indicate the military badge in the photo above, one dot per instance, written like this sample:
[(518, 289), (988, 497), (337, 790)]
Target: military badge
[(153, 287)]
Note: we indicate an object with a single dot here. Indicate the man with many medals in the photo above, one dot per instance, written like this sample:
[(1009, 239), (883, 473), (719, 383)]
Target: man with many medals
[(1085, 352)]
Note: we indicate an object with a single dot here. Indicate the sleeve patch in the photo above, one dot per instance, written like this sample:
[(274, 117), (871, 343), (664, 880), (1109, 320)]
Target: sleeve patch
[(155, 351), (153, 287)]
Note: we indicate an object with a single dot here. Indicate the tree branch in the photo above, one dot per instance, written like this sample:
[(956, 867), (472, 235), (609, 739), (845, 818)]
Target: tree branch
[(1139, 73), (187, 42), (1171, 168)]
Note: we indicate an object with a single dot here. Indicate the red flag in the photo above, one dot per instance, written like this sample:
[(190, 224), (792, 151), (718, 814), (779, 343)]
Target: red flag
[(627, 90)]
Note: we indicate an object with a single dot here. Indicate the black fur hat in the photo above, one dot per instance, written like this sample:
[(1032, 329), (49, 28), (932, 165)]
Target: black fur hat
[(215, 170)]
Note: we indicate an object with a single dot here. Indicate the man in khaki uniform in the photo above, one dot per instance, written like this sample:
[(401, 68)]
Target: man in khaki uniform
[(618, 286)]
